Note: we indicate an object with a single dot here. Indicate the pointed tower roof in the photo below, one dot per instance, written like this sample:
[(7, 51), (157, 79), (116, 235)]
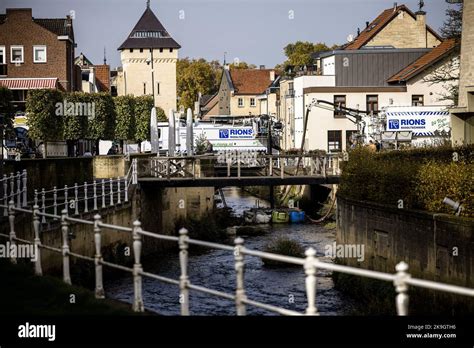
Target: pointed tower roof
[(149, 33)]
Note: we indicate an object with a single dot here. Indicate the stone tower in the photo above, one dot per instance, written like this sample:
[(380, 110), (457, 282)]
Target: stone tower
[(149, 56)]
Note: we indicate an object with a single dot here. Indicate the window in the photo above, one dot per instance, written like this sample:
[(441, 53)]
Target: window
[(131, 50), (161, 50), (3, 61), (373, 104), (334, 141), (339, 101), (171, 50), (3, 58), (350, 138), (417, 100), (252, 102), (39, 54), (141, 50), (158, 88), (16, 54), (241, 102)]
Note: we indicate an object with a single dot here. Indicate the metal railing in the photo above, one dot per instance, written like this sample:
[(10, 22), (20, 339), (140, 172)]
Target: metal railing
[(14, 188), (87, 197), (268, 165), (310, 264)]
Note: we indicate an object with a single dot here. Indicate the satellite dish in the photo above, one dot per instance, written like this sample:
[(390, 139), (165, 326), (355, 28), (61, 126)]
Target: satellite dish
[(350, 38)]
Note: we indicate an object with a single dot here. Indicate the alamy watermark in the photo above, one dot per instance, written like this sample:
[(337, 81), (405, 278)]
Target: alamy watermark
[(19, 251), (67, 108), (345, 251)]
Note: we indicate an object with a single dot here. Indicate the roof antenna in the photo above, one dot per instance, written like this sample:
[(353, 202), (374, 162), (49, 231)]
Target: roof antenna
[(105, 57), (147, 3), (225, 53)]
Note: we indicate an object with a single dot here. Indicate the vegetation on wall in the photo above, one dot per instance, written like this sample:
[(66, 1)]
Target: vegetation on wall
[(420, 178)]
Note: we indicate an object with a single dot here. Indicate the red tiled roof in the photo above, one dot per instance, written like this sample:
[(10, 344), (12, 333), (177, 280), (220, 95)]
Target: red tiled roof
[(102, 76), (27, 83), (378, 24), (424, 61), (251, 81)]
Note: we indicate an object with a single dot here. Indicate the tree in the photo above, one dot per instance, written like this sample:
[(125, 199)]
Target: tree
[(42, 119), (125, 125), (194, 76), (242, 65), (102, 125), (6, 110), (452, 26), (299, 53), (75, 122), (143, 106)]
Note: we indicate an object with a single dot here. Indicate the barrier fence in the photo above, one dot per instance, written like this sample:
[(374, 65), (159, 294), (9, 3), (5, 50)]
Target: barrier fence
[(310, 264)]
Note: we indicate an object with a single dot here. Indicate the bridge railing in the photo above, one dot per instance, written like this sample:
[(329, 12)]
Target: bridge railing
[(401, 279), (86, 197), (14, 188), (237, 162)]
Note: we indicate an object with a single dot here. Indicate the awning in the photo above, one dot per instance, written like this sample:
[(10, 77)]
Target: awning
[(29, 83)]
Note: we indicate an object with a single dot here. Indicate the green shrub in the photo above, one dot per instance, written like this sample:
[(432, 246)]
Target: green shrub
[(420, 177), (283, 246), (43, 120)]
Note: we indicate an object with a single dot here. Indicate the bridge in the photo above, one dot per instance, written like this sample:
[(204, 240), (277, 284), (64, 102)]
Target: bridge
[(239, 169)]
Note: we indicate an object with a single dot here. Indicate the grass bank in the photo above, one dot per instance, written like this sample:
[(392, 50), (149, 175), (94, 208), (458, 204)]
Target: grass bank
[(23, 293)]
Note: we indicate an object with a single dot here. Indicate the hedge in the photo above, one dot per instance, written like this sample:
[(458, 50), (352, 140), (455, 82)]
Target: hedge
[(421, 178)]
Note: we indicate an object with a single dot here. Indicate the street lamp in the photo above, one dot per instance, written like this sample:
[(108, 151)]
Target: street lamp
[(148, 61)]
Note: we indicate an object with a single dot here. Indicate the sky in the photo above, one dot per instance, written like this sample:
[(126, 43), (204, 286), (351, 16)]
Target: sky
[(254, 31)]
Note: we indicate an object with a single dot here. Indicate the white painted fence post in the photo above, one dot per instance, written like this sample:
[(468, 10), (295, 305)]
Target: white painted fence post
[(12, 235), (43, 205), (99, 286), (310, 270), (5, 194), (111, 192), (65, 247), (119, 200), (25, 187), (18, 190), (134, 172), (239, 268), (55, 201), (86, 204), (137, 268), (36, 228), (76, 200), (125, 182), (94, 187), (65, 198), (183, 279), (103, 193), (401, 287)]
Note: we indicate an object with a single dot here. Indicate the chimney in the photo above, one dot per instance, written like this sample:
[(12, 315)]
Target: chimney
[(19, 14), (358, 31), (367, 24), (272, 75), (395, 6), (262, 67)]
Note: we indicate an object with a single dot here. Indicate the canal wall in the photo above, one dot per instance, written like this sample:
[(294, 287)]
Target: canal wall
[(437, 247), (161, 208)]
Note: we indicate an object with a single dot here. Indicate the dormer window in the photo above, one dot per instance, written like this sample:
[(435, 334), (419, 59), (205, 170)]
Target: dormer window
[(150, 34)]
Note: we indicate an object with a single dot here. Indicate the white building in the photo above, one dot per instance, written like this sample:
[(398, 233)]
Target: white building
[(149, 56), (366, 80)]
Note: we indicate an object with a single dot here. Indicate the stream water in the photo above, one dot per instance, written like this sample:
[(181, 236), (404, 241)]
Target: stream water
[(283, 287)]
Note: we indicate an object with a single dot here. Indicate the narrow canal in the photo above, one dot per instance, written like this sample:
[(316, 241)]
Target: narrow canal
[(283, 287)]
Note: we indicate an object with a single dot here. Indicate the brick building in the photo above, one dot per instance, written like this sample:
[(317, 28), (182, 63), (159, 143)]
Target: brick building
[(35, 53)]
